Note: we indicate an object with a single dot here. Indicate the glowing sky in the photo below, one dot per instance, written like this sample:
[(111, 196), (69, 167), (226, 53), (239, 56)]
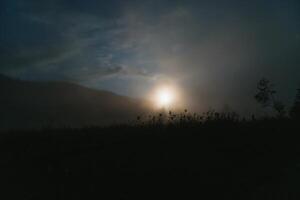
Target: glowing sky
[(215, 50)]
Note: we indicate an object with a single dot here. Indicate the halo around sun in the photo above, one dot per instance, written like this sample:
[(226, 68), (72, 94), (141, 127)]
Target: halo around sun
[(165, 97)]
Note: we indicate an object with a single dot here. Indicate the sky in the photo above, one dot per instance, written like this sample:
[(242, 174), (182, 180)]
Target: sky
[(213, 51)]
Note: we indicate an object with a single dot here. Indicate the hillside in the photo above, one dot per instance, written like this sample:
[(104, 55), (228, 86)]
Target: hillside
[(28, 104)]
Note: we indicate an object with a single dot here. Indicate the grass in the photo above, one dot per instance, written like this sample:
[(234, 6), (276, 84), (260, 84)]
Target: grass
[(190, 156)]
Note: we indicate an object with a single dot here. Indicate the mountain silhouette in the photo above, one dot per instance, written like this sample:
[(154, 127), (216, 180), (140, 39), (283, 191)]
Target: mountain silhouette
[(33, 104), (5, 78)]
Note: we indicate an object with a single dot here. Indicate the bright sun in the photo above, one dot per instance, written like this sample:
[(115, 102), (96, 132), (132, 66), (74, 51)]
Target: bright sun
[(165, 97)]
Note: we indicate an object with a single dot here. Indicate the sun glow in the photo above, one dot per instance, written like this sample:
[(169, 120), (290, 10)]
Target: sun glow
[(165, 97)]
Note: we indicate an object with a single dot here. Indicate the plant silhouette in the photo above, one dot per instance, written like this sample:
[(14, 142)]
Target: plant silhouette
[(295, 110), (266, 97), (174, 154)]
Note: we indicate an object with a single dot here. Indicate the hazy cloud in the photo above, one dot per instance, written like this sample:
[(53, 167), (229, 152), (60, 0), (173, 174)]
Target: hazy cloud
[(216, 51)]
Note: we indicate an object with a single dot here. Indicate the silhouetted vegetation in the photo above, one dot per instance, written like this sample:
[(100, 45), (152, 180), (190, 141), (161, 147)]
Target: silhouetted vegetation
[(295, 110), (213, 155), (185, 155), (266, 97)]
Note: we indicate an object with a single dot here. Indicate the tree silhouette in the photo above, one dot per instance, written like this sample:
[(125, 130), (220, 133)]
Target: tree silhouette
[(279, 107), (295, 110), (266, 97)]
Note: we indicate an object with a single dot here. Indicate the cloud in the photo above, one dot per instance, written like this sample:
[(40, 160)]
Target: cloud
[(27, 57), (214, 51), (76, 39), (110, 71), (217, 57)]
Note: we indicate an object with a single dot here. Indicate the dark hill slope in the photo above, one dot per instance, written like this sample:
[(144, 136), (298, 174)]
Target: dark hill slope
[(28, 104)]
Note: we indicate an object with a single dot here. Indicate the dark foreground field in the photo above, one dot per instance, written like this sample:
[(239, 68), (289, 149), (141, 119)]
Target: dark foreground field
[(212, 160)]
